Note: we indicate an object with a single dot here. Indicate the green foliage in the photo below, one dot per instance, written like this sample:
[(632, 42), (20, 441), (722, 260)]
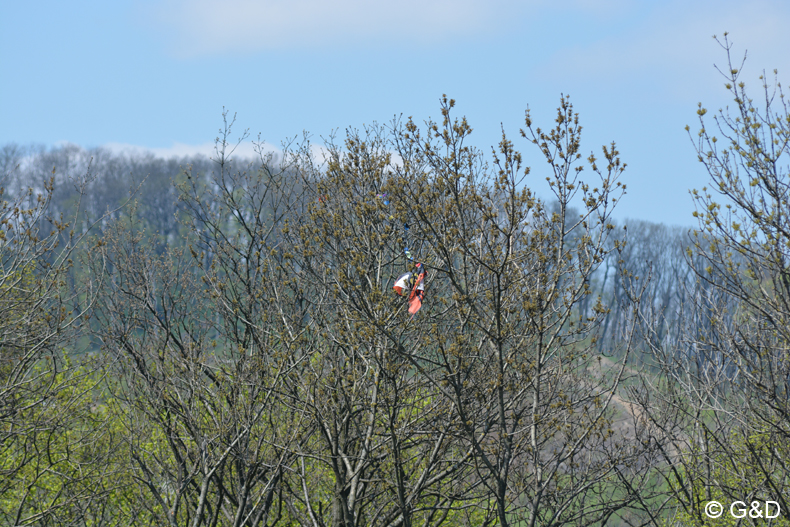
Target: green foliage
[(63, 458), (737, 474)]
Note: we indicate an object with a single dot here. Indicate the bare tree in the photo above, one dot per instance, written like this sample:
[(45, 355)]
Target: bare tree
[(202, 338), (509, 349), (721, 398), (381, 450), (52, 443)]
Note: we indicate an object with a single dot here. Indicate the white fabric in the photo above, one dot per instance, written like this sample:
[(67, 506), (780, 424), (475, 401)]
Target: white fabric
[(403, 283)]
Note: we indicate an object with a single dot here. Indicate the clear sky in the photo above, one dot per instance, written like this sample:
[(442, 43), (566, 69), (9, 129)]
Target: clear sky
[(156, 74)]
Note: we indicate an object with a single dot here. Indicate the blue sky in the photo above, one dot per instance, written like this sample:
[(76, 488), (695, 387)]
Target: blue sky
[(156, 75)]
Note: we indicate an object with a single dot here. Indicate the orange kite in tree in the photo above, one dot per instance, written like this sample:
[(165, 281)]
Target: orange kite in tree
[(413, 285)]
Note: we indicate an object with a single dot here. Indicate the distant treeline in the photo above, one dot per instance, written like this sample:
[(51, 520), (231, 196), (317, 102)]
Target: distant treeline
[(147, 185)]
